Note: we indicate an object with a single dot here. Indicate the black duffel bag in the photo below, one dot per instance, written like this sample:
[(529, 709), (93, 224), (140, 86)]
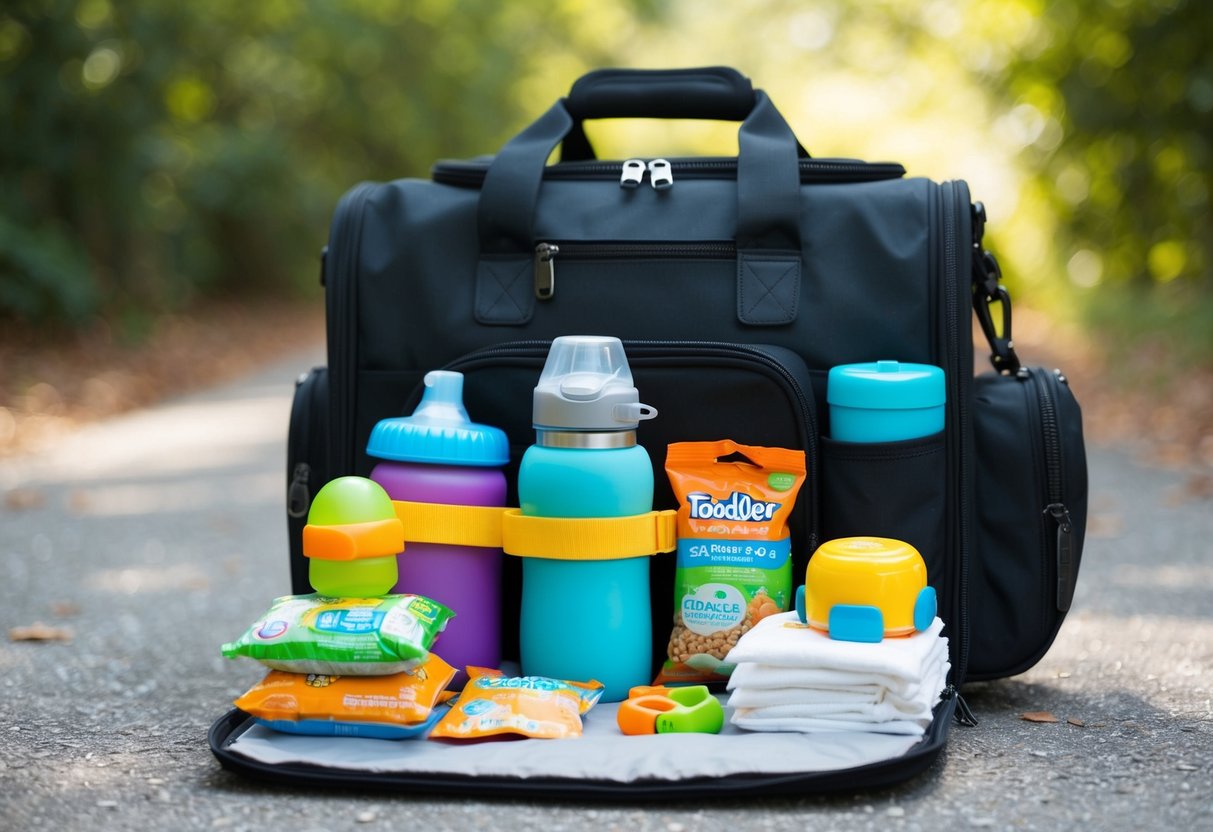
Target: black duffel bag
[(735, 283)]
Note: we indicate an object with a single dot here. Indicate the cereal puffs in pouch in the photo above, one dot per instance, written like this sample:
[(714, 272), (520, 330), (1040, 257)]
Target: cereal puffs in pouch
[(734, 563)]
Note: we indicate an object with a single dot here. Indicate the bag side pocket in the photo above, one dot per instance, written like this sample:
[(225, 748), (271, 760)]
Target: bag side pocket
[(1031, 489), (890, 489)]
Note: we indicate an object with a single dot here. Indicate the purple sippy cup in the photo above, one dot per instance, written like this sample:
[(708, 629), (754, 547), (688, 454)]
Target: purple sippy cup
[(438, 455)]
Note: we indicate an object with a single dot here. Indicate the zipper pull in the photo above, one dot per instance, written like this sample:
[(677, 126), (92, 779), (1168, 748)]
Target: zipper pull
[(297, 497), (1065, 554), (545, 270), (633, 173), (661, 175), (963, 713)]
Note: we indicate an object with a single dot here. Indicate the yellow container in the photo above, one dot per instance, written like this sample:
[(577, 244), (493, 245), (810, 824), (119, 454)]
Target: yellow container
[(866, 588)]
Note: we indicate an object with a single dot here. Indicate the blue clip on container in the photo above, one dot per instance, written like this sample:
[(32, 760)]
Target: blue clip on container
[(885, 401)]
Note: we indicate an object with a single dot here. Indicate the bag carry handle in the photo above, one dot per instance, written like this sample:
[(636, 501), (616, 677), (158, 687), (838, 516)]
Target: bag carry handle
[(711, 93), (768, 218)]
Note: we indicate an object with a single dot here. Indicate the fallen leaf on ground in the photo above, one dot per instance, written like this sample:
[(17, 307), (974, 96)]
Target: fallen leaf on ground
[(23, 499), (1038, 716), (39, 632), (1073, 720)]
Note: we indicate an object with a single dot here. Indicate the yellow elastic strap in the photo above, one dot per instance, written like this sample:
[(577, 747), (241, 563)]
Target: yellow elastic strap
[(452, 525), (588, 538)]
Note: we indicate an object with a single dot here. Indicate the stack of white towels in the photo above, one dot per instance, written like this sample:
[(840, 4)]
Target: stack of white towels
[(789, 677)]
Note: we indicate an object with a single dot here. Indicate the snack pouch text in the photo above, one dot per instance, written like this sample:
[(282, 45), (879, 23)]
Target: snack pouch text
[(343, 636), (534, 706), (734, 563)]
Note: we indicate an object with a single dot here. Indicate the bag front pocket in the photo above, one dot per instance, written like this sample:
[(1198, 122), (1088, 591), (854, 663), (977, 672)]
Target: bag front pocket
[(1031, 510), (703, 391)]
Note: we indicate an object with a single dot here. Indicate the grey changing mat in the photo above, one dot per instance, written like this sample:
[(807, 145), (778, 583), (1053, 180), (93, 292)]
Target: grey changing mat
[(600, 763)]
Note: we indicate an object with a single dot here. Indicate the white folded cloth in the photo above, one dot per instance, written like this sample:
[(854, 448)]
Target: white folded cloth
[(782, 640), (756, 686), (792, 678), (751, 721)]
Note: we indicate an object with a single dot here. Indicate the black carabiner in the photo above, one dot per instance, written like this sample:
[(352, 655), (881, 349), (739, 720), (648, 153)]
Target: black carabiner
[(988, 290)]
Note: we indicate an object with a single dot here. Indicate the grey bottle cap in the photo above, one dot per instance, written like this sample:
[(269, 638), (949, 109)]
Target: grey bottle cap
[(586, 384)]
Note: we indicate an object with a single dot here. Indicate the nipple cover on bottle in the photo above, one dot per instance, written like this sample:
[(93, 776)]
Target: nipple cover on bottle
[(439, 431)]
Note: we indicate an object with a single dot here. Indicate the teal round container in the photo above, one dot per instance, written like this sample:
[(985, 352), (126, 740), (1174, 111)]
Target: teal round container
[(885, 401)]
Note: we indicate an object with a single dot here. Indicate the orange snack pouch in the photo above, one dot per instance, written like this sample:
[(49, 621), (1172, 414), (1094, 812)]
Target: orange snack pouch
[(398, 699), (534, 706), (734, 563)]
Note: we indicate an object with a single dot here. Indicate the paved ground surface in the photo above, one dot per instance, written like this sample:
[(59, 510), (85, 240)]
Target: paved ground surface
[(159, 535)]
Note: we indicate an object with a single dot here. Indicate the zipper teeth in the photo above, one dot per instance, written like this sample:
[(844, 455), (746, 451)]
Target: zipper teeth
[(528, 348), (471, 174), (644, 249), (951, 288), (1048, 422)]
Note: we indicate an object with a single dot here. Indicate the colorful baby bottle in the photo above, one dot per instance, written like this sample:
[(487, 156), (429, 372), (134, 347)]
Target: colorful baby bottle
[(583, 618), (438, 455), (351, 539)]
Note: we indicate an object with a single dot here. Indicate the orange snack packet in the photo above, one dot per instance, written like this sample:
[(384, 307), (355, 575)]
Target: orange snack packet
[(398, 699), (734, 563), (534, 706)]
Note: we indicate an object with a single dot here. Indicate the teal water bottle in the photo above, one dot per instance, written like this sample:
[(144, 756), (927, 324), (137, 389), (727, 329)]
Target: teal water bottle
[(587, 619)]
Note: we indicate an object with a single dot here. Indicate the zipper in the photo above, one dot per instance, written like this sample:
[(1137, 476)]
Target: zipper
[(963, 713), (340, 292), (298, 497), (1055, 506), (470, 174), (641, 349), (546, 253), (951, 292)]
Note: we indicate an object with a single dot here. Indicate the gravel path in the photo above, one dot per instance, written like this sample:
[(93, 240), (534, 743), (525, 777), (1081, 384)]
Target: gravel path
[(156, 536)]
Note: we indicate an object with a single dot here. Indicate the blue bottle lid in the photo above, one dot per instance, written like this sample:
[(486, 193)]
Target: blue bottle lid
[(886, 385), (439, 431)]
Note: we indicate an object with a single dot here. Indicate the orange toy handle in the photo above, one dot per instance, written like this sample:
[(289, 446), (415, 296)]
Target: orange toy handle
[(639, 715), (350, 541)]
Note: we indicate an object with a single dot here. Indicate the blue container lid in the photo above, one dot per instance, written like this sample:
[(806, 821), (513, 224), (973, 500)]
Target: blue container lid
[(439, 432), (886, 385)]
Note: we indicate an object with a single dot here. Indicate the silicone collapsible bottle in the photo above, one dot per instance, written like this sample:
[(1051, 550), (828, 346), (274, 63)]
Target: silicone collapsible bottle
[(438, 455), (885, 401), (587, 619)]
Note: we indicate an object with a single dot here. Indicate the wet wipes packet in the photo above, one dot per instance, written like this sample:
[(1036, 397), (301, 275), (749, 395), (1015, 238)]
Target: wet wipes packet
[(532, 706), (734, 563), (398, 706), (343, 636)]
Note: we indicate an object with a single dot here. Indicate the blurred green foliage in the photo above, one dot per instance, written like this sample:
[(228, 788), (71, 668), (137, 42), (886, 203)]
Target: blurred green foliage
[(155, 153), (1115, 99)]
